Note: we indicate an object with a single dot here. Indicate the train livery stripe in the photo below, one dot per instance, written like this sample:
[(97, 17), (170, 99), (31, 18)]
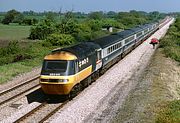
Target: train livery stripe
[(72, 78)]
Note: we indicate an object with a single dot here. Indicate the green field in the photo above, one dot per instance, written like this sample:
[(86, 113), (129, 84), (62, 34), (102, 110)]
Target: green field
[(14, 32)]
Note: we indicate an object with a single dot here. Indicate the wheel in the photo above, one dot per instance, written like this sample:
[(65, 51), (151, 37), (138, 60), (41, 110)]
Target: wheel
[(74, 91), (89, 81)]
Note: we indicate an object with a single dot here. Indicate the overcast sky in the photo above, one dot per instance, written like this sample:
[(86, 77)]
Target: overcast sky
[(91, 5)]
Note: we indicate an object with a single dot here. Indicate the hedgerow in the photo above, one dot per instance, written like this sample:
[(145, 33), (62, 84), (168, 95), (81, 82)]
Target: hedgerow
[(60, 39), (171, 42)]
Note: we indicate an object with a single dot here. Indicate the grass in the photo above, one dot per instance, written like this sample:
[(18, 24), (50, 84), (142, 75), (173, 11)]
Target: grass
[(14, 32), (37, 51), (7, 73), (169, 112)]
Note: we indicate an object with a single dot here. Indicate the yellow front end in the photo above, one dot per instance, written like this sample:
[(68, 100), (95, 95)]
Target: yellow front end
[(63, 88), (59, 88)]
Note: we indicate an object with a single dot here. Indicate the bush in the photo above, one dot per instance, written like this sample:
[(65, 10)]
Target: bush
[(60, 39), (28, 21), (96, 15), (11, 15), (67, 26), (14, 53), (83, 33), (12, 48), (95, 25), (171, 43), (42, 30)]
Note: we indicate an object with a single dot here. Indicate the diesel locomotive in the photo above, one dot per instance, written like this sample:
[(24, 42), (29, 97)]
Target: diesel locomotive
[(66, 71)]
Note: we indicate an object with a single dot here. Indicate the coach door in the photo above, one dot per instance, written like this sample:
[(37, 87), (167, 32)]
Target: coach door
[(99, 59)]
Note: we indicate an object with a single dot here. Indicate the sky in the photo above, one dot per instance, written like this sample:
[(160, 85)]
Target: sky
[(91, 5)]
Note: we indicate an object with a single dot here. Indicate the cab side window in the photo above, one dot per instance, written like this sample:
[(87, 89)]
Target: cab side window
[(98, 55)]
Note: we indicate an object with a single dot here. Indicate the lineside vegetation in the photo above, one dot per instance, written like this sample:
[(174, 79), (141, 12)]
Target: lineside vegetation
[(169, 112), (171, 42)]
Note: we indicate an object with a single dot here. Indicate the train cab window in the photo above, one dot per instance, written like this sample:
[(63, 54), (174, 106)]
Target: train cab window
[(76, 67), (58, 67)]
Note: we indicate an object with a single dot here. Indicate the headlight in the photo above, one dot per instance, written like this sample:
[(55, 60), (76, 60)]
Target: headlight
[(63, 80)]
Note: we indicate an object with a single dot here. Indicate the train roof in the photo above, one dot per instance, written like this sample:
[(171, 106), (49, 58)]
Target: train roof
[(81, 50), (145, 26), (125, 33), (136, 29), (107, 40)]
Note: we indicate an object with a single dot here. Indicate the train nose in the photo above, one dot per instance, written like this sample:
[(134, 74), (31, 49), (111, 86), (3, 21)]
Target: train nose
[(59, 86)]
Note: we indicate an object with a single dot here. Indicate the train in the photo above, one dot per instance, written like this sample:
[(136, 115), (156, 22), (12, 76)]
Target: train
[(68, 70)]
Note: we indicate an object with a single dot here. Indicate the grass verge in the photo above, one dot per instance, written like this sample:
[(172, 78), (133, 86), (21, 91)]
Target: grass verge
[(171, 42), (169, 112), (10, 70)]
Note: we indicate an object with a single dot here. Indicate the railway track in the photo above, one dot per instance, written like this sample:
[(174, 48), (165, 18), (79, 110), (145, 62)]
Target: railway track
[(41, 113), (18, 90)]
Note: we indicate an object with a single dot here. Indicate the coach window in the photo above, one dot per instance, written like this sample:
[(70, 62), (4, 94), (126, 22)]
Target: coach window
[(108, 51), (145, 31), (119, 45), (129, 39), (139, 34)]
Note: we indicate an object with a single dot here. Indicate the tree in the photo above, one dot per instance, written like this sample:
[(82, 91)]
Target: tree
[(95, 25), (29, 21), (18, 19), (96, 15), (67, 26), (10, 16), (154, 15), (83, 32), (111, 14), (68, 16), (50, 16), (60, 39), (42, 30)]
